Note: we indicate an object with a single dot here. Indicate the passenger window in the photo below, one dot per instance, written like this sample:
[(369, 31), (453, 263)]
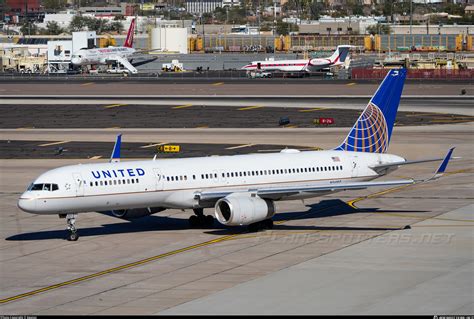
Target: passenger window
[(128, 181), (105, 183), (194, 176), (91, 184)]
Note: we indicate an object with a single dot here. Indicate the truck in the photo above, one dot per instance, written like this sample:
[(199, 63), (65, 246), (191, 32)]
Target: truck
[(174, 66)]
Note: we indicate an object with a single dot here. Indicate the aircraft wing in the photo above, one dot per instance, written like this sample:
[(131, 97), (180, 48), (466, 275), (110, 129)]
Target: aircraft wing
[(276, 193), (138, 63)]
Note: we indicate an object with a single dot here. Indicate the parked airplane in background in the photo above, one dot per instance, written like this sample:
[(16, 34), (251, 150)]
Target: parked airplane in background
[(302, 65), (241, 188), (111, 55)]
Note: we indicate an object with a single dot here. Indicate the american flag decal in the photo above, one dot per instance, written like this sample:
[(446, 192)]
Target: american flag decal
[(335, 159)]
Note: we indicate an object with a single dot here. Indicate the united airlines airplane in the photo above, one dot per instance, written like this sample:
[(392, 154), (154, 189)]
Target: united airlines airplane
[(241, 188)]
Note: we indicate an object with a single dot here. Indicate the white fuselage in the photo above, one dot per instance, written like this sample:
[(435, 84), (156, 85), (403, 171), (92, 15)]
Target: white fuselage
[(101, 56), (308, 65), (173, 183)]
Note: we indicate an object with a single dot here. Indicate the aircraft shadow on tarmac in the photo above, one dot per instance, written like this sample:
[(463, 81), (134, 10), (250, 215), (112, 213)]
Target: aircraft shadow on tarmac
[(325, 208)]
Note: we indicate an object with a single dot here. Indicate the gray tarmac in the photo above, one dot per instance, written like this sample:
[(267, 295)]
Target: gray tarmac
[(192, 116), (151, 265), (18, 149), (419, 271), (291, 87)]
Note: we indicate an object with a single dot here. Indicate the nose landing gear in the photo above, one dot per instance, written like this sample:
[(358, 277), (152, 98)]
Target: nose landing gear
[(71, 220)]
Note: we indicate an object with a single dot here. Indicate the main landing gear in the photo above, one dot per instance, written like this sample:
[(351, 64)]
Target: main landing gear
[(200, 220), (261, 225), (71, 220)]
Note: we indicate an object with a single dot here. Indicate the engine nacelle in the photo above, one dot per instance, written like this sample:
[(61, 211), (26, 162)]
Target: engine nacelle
[(243, 209), (136, 212)]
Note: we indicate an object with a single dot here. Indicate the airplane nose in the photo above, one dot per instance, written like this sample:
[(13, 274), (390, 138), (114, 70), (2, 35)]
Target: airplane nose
[(27, 204)]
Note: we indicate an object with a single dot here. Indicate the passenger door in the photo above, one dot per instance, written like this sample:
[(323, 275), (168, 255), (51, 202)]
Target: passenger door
[(355, 166), (79, 184), (158, 179)]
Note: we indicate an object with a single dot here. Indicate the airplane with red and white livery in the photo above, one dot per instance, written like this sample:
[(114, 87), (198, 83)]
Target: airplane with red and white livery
[(302, 65)]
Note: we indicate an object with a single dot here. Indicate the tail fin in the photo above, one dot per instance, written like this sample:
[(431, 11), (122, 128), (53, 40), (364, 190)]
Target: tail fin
[(130, 34), (115, 156), (373, 129), (339, 56)]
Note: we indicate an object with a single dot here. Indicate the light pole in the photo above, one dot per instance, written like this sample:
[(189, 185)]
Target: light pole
[(411, 17)]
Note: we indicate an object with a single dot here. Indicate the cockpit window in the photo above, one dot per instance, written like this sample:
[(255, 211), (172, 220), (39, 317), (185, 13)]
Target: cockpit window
[(43, 187)]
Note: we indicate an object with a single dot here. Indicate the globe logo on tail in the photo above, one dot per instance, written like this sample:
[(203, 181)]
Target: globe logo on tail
[(369, 134)]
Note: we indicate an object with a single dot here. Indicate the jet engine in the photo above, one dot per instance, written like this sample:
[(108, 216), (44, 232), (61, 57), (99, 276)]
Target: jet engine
[(243, 209), (136, 212)]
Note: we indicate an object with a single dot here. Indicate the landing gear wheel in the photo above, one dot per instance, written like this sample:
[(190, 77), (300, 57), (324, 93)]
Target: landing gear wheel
[(253, 228), (209, 220), (71, 220), (193, 221), (73, 236), (268, 224)]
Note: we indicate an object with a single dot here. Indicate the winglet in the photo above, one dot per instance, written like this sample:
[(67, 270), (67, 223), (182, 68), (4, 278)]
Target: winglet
[(115, 157), (444, 164)]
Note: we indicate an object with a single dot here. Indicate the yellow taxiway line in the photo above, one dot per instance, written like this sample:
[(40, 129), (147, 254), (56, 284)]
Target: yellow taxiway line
[(239, 146), (113, 105), (250, 108), (54, 143), (189, 248), (152, 145), (312, 110), (115, 269), (182, 106)]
